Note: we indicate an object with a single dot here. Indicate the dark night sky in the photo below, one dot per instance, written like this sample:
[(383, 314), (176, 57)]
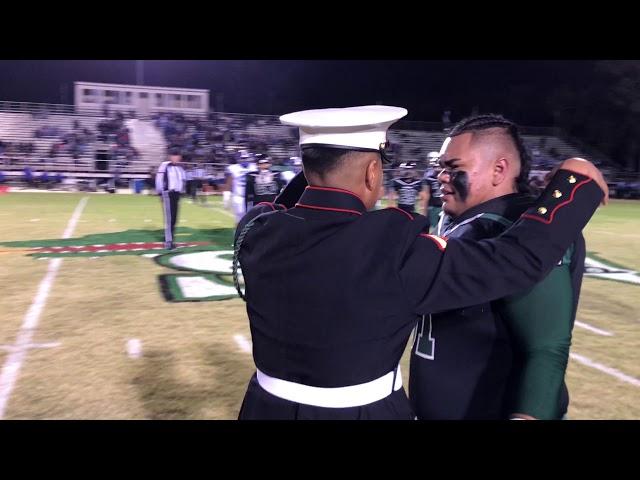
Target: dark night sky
[(518, 89)]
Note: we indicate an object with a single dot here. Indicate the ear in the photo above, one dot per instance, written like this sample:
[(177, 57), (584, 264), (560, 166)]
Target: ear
[(500, 171), (372, 174)]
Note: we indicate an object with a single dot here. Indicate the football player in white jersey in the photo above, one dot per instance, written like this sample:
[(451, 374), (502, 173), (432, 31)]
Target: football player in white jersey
[(296, 163), (236, 178)]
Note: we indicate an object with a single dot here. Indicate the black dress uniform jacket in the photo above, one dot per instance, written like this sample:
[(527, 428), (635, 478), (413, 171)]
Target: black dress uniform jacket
[(333, 291)]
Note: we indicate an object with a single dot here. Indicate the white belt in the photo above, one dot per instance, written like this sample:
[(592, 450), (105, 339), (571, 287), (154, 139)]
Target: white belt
[(338, 397)]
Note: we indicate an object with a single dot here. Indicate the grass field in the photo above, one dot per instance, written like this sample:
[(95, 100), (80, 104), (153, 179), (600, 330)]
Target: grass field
[(194, 362)]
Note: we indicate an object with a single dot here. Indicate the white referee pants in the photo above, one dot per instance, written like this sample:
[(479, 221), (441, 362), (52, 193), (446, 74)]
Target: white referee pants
[(237, 202)]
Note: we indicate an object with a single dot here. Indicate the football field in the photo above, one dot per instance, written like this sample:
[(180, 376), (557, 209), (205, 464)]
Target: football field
[(97, 321)]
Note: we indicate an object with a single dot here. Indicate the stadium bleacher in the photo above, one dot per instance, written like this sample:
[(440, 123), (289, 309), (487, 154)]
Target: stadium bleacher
[(211, 139)]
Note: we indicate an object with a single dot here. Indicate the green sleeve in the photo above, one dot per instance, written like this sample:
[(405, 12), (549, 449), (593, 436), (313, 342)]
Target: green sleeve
[(540, 322)]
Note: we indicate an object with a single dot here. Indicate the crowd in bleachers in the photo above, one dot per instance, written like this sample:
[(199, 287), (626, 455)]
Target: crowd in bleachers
[(21, 148), (57, 141), (64, 140), (74, 143), (214, 139), (114, 132), (542, 157), (217, 137), (211, 139), (44, 179), (625, 189)]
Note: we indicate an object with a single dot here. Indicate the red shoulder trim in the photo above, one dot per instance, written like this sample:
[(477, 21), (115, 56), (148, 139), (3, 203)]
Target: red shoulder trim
[(439, 241), (315, 207)]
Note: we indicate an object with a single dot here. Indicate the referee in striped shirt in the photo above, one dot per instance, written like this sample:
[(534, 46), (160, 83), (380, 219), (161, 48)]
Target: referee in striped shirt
[(170, 183)]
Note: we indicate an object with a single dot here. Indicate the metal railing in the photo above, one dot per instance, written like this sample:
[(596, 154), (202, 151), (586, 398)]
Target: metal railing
[(38, 108)]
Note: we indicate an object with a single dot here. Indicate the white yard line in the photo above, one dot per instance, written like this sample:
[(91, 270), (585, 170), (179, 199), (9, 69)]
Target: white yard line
[(71, 226), (13, 348), (14, 360), (224, 212), (604, 369), (593, 329)]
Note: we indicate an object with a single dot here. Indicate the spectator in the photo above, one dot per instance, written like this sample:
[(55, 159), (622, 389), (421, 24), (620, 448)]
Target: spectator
[(57, 178), (29, 176), (44, 179)]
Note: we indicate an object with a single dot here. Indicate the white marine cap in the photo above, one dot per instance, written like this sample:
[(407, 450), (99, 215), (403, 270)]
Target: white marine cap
[(350, 128)]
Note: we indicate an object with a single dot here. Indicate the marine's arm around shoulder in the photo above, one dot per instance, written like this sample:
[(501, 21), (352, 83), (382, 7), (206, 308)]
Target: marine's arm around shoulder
[(440, 275)]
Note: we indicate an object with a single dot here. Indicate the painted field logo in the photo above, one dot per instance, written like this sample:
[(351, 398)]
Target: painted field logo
[(129, 242), (205, 254), (99, 249), (213, 280), (600, 268), (202, 261)]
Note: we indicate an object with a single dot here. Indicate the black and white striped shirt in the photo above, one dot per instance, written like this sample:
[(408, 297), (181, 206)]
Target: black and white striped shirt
[(170, 177)]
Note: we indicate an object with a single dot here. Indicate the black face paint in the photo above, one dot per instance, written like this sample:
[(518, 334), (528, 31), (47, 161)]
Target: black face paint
[(460, 182)]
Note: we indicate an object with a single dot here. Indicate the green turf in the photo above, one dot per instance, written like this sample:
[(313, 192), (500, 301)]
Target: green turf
[(191, 365)]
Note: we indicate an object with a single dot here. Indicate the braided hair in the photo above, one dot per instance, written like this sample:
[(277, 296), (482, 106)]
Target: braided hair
[(486, 121)]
